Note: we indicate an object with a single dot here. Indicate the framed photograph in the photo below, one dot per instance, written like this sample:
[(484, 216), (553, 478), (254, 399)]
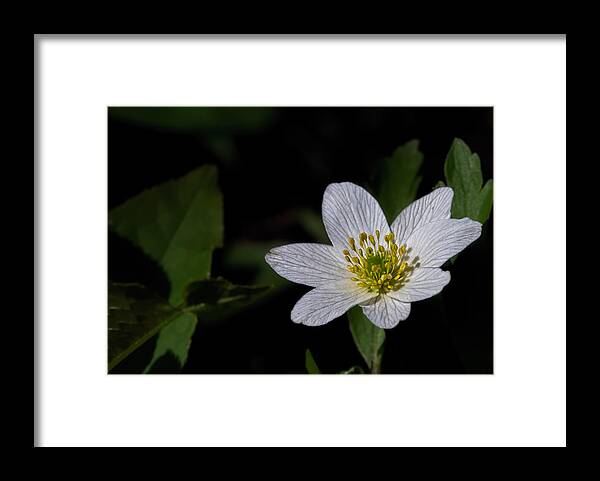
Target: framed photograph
[(337, 239), (208, 251)]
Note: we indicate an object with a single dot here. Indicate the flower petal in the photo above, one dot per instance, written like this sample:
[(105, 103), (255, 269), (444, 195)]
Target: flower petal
[(436, 242), (349, 210), (326, 302), (309, 264), (427, 209), (424, 282), (386, 312)]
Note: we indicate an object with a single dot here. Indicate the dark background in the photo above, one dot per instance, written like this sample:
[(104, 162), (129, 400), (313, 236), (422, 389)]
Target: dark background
[(275, 163)]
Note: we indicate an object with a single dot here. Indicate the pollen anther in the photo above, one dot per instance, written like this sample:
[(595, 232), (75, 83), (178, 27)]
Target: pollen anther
[(380, 267)]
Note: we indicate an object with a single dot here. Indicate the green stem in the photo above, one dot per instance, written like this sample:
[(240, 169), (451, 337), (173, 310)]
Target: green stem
[(378, 345), (376, 368)]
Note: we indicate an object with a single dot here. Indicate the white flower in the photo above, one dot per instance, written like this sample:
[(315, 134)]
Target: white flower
[(381, 268)]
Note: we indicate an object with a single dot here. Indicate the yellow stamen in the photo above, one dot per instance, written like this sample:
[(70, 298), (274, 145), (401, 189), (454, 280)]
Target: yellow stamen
[(379, 268)]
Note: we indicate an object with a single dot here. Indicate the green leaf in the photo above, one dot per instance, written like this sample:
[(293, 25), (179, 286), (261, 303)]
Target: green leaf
[(463, 173), (397, 179), (368, 338), (178, 224), (218, 299), (311, 365), (208, 299), (173, 344), (219, 290), (487, 195), (134, 315)]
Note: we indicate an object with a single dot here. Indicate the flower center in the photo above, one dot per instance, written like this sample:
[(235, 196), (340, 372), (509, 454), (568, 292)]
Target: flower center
[(379, 267)]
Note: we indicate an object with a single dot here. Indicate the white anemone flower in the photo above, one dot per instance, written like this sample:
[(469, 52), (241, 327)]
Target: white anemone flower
[(381, 268)]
